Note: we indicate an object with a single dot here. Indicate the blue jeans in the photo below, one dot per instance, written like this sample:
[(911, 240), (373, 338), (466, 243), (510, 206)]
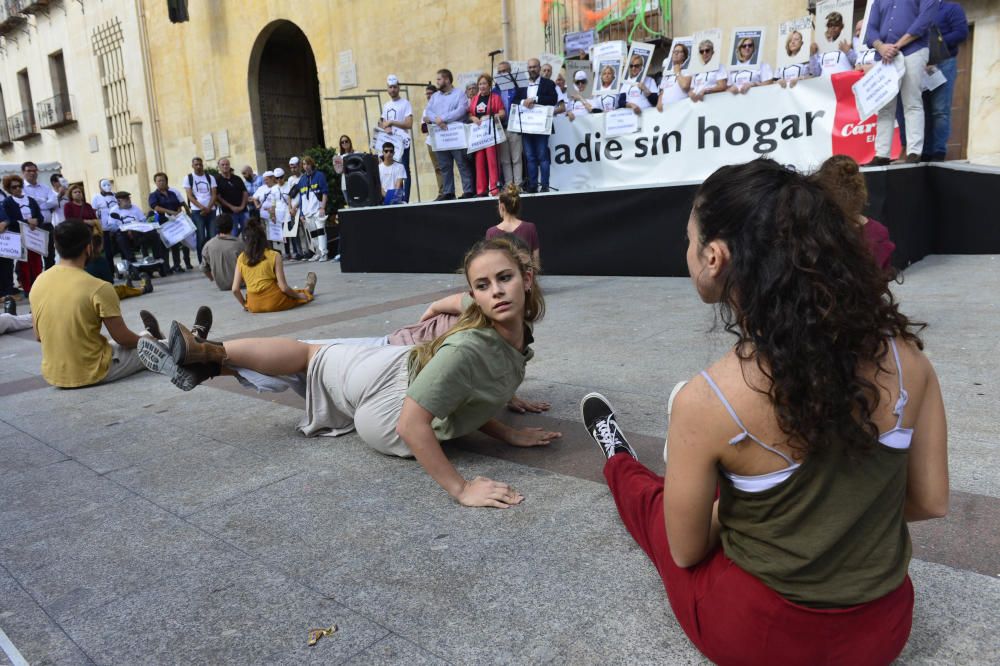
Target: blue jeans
[(536, 155), (204, 223), (939, 111), (446, 158), (239, 221)]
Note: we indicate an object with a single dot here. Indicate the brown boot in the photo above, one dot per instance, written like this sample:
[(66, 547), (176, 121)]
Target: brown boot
[(311, 283), (187, 349)]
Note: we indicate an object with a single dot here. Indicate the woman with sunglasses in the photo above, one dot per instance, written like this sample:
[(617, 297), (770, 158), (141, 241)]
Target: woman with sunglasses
[(576, 102), (637, 93), (675, 83), (17, 209), (745, 72), (710, 81)]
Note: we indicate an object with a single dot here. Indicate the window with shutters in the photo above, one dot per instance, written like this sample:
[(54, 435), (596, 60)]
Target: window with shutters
[(108, 41)]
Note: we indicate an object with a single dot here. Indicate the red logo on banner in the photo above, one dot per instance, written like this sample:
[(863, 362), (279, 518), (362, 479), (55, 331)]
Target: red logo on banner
[(851, 135)]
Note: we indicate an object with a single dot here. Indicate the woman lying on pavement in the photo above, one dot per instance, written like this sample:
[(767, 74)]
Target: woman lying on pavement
[(403, 400), (795, 461)]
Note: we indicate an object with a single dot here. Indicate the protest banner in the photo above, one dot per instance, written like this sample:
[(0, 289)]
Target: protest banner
[(688, 141), (176, 229), (400, 140), (536, 120), (451, 138), (876, 89), (620, 122), (578, 43), (10, 245), (138, 227), (35, 240), (484, 135)]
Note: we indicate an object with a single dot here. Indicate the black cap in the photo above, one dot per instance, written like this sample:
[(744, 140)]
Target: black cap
[(123, 195)]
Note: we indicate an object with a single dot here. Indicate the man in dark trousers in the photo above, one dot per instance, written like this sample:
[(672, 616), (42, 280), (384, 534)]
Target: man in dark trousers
[(540, 92), (954, 27)]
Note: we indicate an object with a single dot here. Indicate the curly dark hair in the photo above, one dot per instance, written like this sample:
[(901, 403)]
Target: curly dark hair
[(804, 299), (255, 241)]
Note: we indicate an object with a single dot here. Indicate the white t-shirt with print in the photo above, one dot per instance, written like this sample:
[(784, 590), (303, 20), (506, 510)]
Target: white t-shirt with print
[(634, 94), (834, 62), (265, 201), (128, 215), (739, 77), (789, 72), (606, 102), (399, 110), (672, 92), (390, 174), (704, 80), (201, 188)]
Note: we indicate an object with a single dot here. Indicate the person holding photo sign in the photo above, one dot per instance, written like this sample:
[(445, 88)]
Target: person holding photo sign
[(788, 75), (741, 77), (898, 30), (577, 103), (486, 104), (449, 105), (675, 83), (541, 92), (606, 101), (706, 83), (637, 95), (21, 211)]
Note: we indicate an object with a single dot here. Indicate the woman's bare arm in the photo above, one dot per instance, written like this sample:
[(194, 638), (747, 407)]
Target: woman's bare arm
[(927, 471)]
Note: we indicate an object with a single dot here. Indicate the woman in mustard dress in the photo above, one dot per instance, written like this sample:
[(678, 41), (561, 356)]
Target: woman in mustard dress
[(262, 270)]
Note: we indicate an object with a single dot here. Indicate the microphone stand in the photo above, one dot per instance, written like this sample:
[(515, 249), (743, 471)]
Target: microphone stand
[(493, 125)]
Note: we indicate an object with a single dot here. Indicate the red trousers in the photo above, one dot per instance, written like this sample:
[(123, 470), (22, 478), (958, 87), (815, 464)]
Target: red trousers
[(28, 270), (486, 181), (732, 617)]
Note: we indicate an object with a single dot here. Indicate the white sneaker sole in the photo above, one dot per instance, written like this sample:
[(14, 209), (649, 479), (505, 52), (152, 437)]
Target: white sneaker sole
[(156, 356)]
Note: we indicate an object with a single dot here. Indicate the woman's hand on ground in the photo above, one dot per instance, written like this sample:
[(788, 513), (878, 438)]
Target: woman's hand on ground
[(520, 406), (528, 437), (487, 492)]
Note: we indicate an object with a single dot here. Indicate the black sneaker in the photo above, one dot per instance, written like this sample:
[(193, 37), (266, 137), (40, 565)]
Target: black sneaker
[(202, 322), (9, 306), (599, 418), (150, 324)]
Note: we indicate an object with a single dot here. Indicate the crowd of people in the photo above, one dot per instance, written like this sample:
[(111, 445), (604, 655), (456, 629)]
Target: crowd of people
[(899, 32)]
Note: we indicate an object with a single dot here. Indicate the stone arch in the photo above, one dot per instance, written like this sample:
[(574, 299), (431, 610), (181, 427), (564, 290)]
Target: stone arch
[(284, 95)]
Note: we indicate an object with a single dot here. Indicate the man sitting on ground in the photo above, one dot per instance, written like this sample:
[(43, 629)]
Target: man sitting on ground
[(220, 253), (69, 307)]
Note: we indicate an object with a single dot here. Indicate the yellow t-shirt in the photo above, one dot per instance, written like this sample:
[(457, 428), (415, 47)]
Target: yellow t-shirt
[(261, 277), (69, 306)]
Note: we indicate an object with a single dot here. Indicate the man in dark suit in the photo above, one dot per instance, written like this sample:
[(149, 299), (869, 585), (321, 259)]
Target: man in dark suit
[(542, 92)]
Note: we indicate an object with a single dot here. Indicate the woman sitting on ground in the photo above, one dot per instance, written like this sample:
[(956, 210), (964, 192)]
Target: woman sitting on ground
[(509, 208), (263, 271), (403, 400), (795, 461), (842, 177)]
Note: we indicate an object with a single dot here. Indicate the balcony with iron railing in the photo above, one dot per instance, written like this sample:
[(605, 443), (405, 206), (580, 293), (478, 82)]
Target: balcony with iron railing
[(55, 112), (11, 15), (34, 6), (22, 126), (4, 134)]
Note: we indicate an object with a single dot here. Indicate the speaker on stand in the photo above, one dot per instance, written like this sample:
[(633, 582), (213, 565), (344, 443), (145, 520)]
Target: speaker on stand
[(364, 187)]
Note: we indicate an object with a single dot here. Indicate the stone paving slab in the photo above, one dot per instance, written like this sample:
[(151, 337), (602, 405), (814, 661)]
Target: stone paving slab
[(140, 524)]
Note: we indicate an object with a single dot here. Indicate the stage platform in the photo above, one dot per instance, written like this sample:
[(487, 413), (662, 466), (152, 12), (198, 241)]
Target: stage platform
[(936, 208)]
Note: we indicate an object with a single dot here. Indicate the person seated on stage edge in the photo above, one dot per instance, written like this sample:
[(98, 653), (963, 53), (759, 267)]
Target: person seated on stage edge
[(637, 95), (676, 82), (794, 463), (740, 78), (405, 400), (789, 75), (841, 176), (392, 176), (262, 269), (99, 267), (606, 101), (706, 83), (70, 307), (220, 254), (575, 101), (486, 104), (509, 208)]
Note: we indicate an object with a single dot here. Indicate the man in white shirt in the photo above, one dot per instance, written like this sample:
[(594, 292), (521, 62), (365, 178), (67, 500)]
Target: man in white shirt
[(392, 175), (397, 118), (47, 201), (264, 196), (201, 197)]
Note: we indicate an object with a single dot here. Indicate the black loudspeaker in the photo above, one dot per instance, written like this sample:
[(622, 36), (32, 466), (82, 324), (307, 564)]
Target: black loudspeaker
[(364, 187)]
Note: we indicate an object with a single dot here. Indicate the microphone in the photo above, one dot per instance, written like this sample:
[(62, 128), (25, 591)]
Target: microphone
[(493, 53)]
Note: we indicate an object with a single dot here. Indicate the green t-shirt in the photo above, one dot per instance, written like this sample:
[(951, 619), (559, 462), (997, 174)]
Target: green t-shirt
[(470, 378)]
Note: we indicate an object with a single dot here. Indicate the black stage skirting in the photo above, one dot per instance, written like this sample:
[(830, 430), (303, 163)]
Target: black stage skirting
[(929, 209)]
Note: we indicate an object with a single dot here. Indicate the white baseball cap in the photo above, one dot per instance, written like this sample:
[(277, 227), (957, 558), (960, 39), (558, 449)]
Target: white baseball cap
[(279, 173), (580, 75), (294, 160), (268, 174), (391, 80)]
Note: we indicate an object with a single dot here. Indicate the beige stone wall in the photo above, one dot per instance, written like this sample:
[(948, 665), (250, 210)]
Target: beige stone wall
[(68, 27), (984, 96)]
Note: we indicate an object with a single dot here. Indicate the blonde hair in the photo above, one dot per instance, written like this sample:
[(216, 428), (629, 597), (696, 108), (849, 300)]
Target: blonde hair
[(473, 317)]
